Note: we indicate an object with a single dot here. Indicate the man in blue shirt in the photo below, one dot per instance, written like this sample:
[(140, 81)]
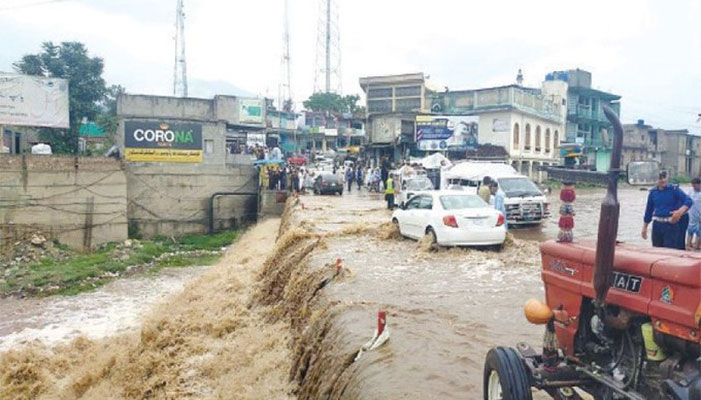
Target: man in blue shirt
[(666, 207)]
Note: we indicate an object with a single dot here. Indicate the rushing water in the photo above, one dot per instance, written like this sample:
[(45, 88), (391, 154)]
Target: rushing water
[(114, 308), (446, 309)]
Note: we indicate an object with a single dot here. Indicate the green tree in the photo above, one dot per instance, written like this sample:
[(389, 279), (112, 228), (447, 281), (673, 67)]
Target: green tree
[(107, 118), (321, 101), (86, 87), (334, 102)]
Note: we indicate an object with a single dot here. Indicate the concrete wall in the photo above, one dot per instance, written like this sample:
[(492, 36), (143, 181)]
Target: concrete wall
[(173, 199), (80, 201)]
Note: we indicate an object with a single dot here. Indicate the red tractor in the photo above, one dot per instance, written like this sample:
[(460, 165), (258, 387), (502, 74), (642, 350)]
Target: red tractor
[(621, 321)]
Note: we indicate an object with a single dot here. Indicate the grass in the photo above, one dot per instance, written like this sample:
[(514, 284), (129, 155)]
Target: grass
[(84, 272)]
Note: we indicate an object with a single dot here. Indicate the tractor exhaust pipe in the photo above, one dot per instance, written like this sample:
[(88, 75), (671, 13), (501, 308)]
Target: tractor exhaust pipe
[(608, 218)]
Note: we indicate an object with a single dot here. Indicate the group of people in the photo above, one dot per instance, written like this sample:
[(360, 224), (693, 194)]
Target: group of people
[(675, 215), (370, 178), (296, 180)]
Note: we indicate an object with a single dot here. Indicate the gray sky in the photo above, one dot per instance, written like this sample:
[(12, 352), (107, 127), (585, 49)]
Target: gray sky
[(649, 52)]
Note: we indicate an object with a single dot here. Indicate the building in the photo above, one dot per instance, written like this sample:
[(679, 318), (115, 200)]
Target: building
[(19, 139), (282, 128), (181, 174), (639, 143), (323, 131), (676, 150), (586, 123), (392, 103)]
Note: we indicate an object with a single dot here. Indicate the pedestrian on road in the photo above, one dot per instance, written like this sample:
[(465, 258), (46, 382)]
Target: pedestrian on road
[(350, 175), (484, 191), (295, 181), (359, 177), (389, 193), (666, 208), (693, 233), (499, 197)]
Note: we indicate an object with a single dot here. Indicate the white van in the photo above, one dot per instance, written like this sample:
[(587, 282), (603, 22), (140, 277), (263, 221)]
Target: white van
[(524, 202)]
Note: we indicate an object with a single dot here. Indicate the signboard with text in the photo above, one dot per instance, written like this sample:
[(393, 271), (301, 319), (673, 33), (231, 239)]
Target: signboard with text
[(162, 142), (33, 101), (251, 111), (434, 132)]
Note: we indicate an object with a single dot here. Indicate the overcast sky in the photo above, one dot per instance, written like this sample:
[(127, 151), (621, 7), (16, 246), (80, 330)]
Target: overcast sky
[(649, 52)]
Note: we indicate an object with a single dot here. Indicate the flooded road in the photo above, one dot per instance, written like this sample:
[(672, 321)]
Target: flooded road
[(277, 320), (587, 206), (446, 309), (115, 308)]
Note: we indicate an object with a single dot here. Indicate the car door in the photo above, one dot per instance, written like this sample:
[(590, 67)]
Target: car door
[(408, 225), (424, 214)]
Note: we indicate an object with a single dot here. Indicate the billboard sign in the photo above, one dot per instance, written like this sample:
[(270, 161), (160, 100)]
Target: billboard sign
[(162, 142), (434, 132), (251, 111), (255, 139), (33, 101)]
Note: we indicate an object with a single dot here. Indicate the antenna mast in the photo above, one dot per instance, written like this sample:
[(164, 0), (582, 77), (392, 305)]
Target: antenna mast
[(328, 49), (285, 97), (180, 70)]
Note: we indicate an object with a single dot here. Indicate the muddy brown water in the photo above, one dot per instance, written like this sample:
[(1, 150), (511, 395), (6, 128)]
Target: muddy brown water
[(446, 309), (247, 325)]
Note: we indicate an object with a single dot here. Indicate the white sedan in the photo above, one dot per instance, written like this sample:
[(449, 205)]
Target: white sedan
[(451, 218), (413, 186)]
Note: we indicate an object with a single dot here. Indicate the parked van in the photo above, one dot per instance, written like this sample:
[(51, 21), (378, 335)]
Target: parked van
[(524, 202)]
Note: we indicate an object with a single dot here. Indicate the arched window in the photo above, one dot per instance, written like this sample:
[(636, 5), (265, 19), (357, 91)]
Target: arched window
[(556, 140), (537, 139), (547, 140), (517, 133), (527, 139)]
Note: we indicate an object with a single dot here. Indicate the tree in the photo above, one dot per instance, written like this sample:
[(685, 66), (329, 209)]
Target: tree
[(107, 118), (321, 101), (334, 103), (86, 88)]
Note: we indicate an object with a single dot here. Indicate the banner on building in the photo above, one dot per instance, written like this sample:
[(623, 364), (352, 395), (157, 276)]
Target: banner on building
[(435, 132), (162, 142), (251, 111), (33, 101)]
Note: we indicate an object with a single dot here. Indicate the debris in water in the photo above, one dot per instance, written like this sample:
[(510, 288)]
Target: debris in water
[(380, 337)]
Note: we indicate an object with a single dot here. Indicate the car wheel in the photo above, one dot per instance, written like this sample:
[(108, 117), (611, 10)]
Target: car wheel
[(433, 238), (505, 376)]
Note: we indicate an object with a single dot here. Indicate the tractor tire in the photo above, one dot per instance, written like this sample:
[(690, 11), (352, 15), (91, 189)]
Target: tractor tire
[(505, 376)]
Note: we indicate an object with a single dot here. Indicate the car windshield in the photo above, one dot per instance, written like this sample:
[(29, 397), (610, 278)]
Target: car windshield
[(419, 184), (462, 201), (518, 187)]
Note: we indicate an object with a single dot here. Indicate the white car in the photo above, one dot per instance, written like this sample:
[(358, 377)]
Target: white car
[(452, 218), (412, 187)]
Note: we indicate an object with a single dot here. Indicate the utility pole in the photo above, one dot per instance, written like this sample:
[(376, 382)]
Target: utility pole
[(180, 68), (328, 46)]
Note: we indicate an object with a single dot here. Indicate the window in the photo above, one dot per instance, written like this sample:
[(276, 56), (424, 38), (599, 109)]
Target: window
[(556, 140), (516, 136), (379, 105), (409, 91), (537, 138), (426, 203), (547, 140), (461, 202), (414, 203), (527, 139), (379, 93), (208, 146), (408, 104)]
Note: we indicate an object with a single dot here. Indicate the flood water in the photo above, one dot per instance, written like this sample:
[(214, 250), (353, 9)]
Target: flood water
[(115, 308), (446, 309)]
